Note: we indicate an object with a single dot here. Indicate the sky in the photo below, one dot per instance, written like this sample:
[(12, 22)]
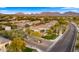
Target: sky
[(13, 10)]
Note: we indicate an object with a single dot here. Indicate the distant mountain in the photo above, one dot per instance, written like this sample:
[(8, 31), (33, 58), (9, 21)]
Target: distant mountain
[(57, 14), (50, 14), (70, 14), (19, 13), (0, 13)]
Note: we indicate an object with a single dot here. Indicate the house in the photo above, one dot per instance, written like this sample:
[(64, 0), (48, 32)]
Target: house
[(42, 26), (6, 27)]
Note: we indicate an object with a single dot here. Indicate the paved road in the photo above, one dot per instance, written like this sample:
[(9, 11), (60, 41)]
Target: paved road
[(3, 40), (65, 43), (37, 45)]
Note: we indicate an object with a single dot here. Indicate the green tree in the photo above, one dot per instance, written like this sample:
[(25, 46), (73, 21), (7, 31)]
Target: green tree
[(36, 34), (17, 45), (28, 31), (49, 31)]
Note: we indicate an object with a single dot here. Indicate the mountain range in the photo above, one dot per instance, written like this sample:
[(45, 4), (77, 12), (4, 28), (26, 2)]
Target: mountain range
[(51, 14), (58, 14)]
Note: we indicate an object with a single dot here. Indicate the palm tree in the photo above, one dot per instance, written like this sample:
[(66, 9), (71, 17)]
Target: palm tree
[(63, 23), (55, 28)]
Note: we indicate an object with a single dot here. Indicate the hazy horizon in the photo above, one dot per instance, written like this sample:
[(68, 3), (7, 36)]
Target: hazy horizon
[(29, 10)]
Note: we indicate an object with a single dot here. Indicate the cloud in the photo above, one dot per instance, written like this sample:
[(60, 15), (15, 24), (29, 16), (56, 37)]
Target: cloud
[(13, 12), (69, 8), (6, 12), (2, 7), (1, 11), (72, 9)]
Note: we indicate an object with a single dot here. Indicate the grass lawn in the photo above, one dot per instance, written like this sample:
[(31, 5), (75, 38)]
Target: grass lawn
[(28, 49), (50, 36)]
